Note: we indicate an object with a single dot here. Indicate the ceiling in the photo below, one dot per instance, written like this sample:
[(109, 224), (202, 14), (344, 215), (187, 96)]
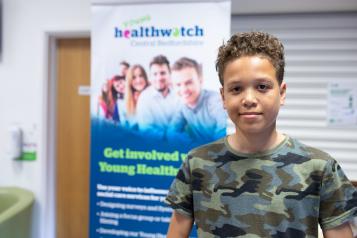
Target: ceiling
[(292, 6)]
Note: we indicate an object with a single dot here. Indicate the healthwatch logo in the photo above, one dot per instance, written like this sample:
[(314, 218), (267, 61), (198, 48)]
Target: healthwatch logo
[(152, 31)]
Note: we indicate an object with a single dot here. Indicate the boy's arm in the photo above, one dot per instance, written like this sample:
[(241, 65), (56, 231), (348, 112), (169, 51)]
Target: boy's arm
[(180, 226), (341, 231)]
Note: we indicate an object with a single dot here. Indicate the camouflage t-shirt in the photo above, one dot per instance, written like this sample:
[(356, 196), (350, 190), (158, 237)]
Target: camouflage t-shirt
[(284, 192)]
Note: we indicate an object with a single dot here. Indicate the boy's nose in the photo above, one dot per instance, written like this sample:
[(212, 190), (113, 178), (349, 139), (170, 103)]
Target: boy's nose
[(249, 98)]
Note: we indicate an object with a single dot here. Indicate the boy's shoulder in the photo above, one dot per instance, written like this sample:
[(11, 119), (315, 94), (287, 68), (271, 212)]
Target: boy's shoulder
[(308, 151)]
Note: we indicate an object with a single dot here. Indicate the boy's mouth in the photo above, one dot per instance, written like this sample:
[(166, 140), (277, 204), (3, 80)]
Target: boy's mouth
[(250, 113)]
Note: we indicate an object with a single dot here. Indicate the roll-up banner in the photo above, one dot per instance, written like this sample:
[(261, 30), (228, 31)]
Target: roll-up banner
[(154, 96)]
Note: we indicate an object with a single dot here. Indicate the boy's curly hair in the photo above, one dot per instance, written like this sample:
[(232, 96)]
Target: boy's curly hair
[(250, 44)]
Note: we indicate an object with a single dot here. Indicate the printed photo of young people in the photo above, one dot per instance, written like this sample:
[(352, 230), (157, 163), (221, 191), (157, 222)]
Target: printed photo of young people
[(165, 102)]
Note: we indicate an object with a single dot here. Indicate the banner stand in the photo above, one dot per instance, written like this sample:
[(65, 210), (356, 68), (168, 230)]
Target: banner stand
[(154, 97)]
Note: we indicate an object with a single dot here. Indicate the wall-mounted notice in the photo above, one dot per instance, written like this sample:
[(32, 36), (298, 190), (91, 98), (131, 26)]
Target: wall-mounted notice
[(154, 96), (342, 103)]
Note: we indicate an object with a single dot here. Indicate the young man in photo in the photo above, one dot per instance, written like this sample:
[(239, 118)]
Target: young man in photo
[(156, 104), (200, 117)]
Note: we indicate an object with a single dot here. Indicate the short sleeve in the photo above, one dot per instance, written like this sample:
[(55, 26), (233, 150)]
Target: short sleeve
[(338, 197), (180, 193)]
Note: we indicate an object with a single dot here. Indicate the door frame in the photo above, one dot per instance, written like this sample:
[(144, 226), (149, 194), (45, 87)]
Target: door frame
[(48, 213)]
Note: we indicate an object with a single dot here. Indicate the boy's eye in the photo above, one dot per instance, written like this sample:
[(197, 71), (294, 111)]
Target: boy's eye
[(236, 89), (263, 87)]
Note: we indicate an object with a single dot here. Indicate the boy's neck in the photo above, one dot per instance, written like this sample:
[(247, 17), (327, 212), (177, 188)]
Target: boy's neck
[(253, 143)]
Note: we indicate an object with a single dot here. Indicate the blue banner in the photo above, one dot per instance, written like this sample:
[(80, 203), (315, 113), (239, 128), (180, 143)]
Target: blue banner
[(154, 97)]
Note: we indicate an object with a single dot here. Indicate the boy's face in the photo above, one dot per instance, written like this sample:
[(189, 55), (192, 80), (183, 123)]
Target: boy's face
[(187, 84), (160, 76), (251, 94)]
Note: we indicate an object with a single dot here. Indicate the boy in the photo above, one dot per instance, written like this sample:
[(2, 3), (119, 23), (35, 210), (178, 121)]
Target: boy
[(258, 182), (200, 117)]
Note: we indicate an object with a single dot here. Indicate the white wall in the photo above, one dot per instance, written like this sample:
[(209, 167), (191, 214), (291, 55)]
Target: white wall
[(23, 83), (24, 78)]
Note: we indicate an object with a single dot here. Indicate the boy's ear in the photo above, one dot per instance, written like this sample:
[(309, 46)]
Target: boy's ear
[(282, 93)]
